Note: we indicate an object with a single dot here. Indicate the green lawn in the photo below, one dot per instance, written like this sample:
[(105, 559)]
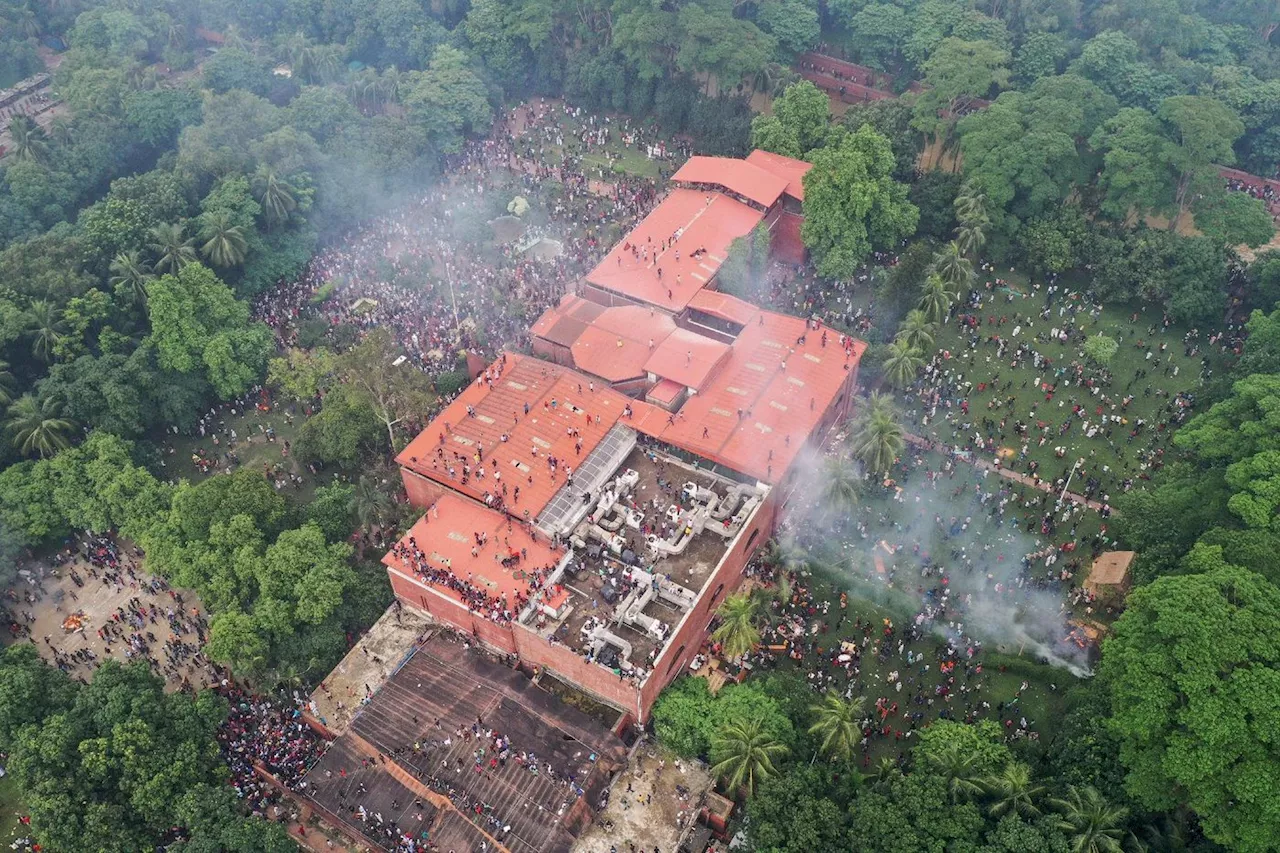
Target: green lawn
[(1014, 391), (626, 159), (10, 808), (252, 447)]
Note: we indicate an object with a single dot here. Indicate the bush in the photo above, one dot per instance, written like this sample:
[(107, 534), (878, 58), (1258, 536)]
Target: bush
[(449, 384)]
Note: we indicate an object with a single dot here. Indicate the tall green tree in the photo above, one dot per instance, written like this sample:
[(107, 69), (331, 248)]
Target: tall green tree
[(1091, 824), (449, 100), (738, 632), (798, 123), (36, 426), (225, 242), (1190, 699), (172, 247), (956, 71), (852, 203), (837, 723), (876, 436), (29, 141), (902, 363), (1203, 130)]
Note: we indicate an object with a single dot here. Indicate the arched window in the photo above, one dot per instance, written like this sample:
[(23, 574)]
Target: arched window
[(675, 660), (751, 540), (716, 596)]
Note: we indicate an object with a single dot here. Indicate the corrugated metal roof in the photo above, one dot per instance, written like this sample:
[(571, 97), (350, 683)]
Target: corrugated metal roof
[(686, 358), (685, 221), (789, 169), (738, 176), (497, 410), (723, 305)]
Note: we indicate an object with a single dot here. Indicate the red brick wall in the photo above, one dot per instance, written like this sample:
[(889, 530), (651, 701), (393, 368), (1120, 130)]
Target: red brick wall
[(692, 632), (452, 612), (421, 491), (785, 243), (570, 666)]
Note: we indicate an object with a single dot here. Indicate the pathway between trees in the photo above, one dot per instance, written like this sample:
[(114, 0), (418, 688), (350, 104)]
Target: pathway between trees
[(987, 465)]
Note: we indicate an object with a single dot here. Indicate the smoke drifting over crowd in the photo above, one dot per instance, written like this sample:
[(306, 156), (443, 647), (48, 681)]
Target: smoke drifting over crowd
[(946, 551)]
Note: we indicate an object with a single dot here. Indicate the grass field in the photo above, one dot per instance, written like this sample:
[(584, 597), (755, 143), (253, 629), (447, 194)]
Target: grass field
[(10, 808), (627, 159)]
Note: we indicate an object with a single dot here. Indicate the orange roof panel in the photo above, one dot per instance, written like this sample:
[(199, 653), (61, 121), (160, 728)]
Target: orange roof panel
[(608, 355), (755, 414), (723, 305), (443, 550), (788, 168), (737, 176), (656, 262), (686, 358), (665, 391), (542, 409)]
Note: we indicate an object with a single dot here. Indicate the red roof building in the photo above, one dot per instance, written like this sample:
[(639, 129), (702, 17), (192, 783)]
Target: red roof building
[(587, 511)]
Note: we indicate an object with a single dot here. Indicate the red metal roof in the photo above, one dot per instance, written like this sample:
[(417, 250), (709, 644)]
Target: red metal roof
[(687, 358), (665, 391), (738, 176), (789, 169), (446, 537), (558, 399), (685, 221), (756, 415), (614, 344), (723, 305), (610, 356)]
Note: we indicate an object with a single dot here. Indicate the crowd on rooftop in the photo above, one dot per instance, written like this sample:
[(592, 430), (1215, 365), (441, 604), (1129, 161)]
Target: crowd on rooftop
[(268, 733)]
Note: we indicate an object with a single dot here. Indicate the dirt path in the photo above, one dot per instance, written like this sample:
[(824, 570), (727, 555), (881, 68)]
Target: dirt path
[(987, 465)]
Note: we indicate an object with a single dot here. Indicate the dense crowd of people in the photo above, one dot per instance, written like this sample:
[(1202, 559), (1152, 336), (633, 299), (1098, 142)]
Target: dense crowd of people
[(267, 733)]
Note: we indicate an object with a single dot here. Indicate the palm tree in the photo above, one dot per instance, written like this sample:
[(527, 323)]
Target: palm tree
[(37, 426), (131, 273), (841, 484), (902, 363), (971, 204), (275, 196), (971, 235), (744, 753), (837, 724), (25, 22), (877, 438), (886, 771), (936, 298), (29, 142), (773, 78), (370, 503), (1013, 791), (60, 131), (172, 246), (917, 331), (785, 553), (958, 767), (225, 243), (390, 84), (955, 269), (6, 383), (737, 633), (1092, 824), (45, 326)]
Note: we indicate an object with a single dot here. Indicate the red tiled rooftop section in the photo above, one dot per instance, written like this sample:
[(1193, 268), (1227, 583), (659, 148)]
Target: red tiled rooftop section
[(563, 323), (609, 355), (738, 176), (446, 534), (723, 305), (686, 358), (788, 168), (665, 391), (710, 221), (781, 403), (499, 409)]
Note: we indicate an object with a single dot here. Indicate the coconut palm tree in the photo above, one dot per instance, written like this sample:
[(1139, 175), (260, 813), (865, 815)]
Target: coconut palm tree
[(836, 722), (61, 131), (971, 235), (25, 22), (1013, 791), (1167, 833), (936, 298), (738, 633), (841, 484), (955, 269), (958, 767), (970, 204), (36, 426), (172, 247), (887, 770), (785, 553), (876, 436), (1091, 823), (917, 331), (131, 273), (275, 196), (225, 243), (743, 753), (6, 383), (901, 364), (390, 84), (45, 326), (29, 141), (370, 503)]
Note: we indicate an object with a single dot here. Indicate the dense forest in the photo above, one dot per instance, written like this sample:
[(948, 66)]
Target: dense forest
[(203, 151)]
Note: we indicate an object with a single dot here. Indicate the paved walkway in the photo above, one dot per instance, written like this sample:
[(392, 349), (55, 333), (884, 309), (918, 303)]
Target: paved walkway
[(1008, 474)]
